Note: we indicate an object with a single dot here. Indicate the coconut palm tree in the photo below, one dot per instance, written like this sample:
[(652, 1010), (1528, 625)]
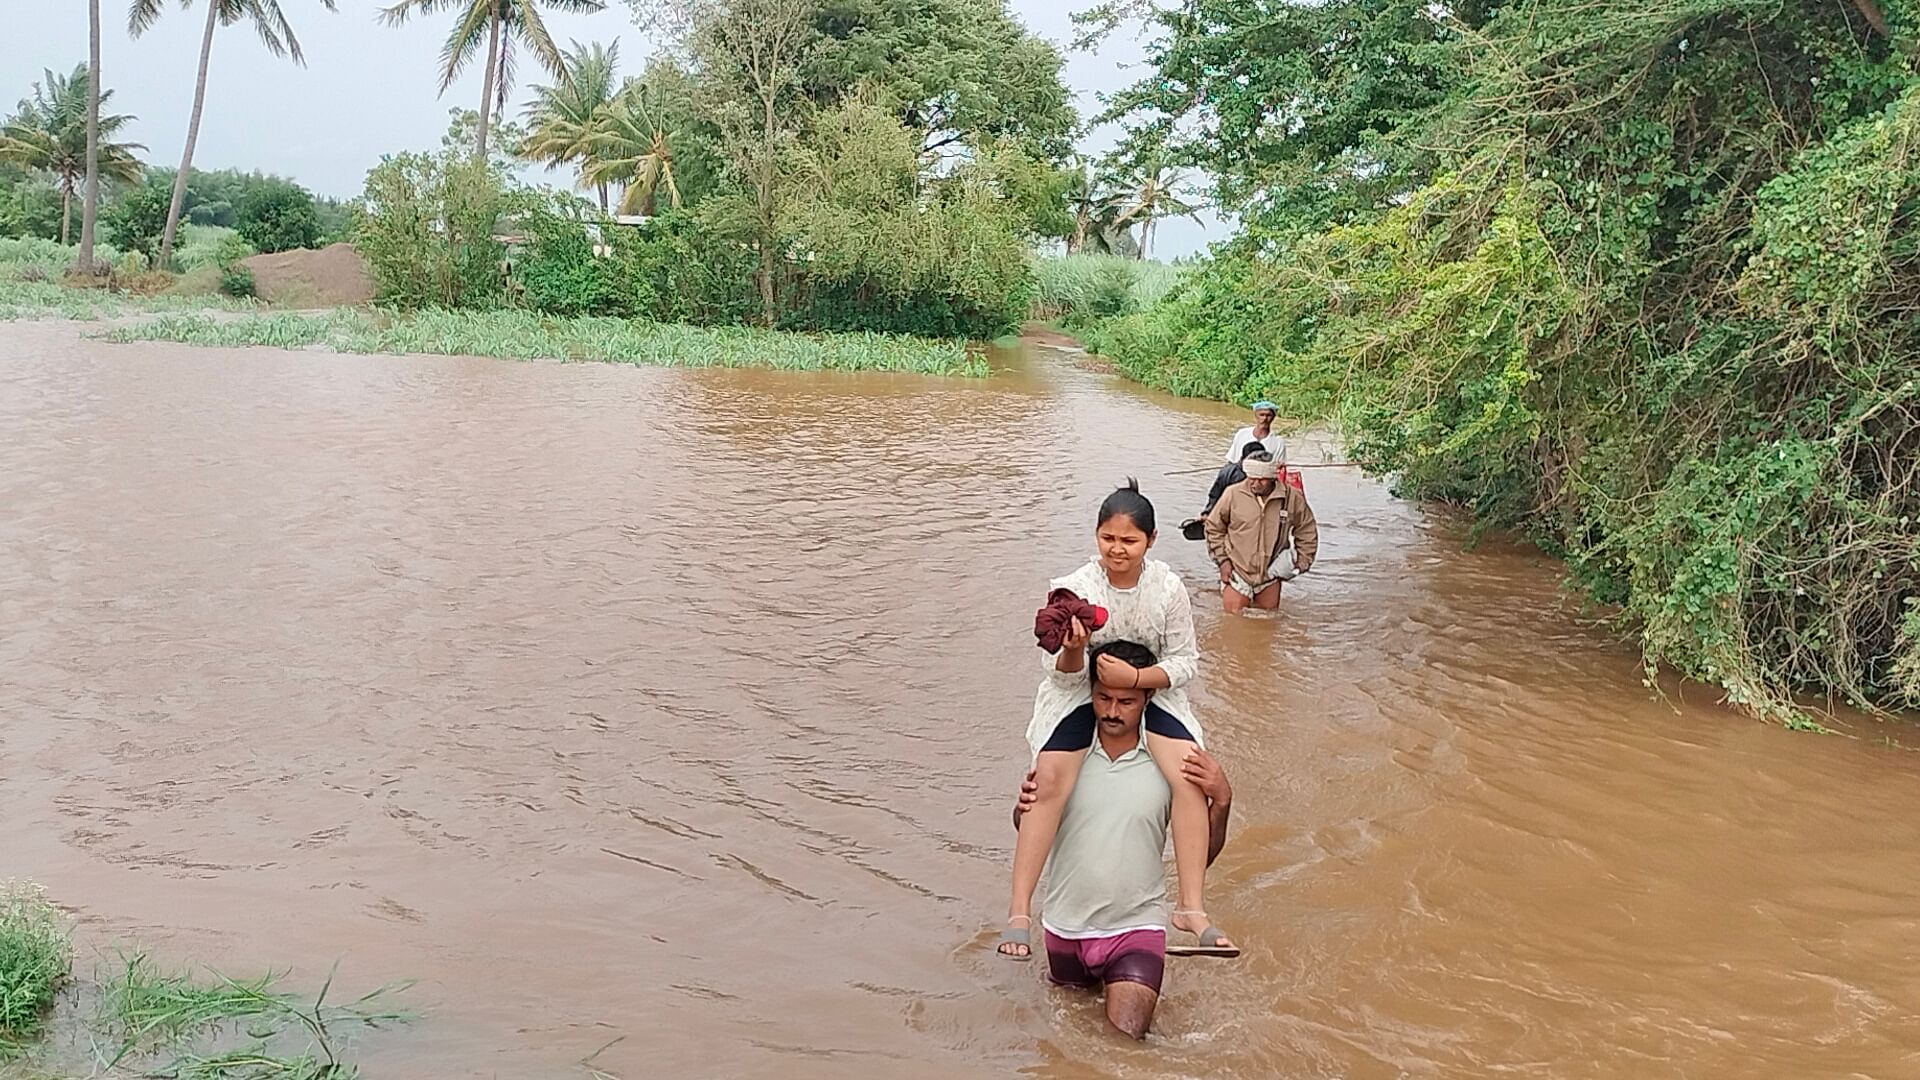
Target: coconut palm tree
[(564, 119), (631, 149), (1155, 194), (498, 26), (1094, 204), (49, 134), (268, 20), (90, 205)]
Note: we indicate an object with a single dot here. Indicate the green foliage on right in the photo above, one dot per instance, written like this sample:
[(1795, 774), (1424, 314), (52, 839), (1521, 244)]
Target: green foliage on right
[(1635, 279), (36, 955), (278, 217)]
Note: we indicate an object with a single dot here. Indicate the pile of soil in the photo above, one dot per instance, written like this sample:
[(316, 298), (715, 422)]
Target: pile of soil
[(333, 276)]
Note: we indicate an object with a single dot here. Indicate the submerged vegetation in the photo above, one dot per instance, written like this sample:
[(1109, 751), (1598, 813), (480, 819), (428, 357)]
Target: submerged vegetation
[(530, 336), (1635, 279), (150, 1021)]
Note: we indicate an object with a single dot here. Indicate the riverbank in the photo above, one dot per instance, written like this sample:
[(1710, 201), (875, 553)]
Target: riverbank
[(509, 334), (523, 335)]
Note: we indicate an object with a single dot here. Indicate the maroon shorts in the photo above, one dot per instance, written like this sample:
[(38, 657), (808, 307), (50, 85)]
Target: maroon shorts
[(1137, 956)]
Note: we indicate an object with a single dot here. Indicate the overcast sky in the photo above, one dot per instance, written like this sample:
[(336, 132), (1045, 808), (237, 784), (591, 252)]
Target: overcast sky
[(369, 89)]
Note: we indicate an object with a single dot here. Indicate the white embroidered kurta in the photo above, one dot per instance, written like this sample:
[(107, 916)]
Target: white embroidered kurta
[(1156, 613)]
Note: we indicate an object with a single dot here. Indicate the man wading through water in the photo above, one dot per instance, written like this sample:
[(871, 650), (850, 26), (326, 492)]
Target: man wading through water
[(1249, 531), (1104, 906)]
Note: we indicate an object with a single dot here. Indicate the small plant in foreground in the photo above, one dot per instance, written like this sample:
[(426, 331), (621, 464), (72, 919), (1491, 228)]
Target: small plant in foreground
[(36, 955), (155, 1012)]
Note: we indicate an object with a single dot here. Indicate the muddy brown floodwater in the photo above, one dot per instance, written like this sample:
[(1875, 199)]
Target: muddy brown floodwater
[(671, 719)]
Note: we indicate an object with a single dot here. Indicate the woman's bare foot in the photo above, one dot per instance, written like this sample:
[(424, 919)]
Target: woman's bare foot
[(1197, 924), (1016, 941)]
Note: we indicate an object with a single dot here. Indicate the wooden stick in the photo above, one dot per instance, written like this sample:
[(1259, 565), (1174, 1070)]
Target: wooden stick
[(1305, 465)]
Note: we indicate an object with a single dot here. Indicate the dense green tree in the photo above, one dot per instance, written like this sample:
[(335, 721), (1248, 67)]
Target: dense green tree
[(48, 134), (1302, 113), (959, 70), (279, 217)]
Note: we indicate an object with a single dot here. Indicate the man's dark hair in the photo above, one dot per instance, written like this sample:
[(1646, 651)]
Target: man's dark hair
[(1132, 652), (1252, 448)]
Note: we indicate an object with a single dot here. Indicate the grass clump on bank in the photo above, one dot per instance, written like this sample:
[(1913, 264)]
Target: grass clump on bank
[(522, 335), (36, 955)]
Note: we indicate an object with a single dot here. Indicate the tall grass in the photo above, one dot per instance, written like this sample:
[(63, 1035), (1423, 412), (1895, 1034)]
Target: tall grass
[(36, 955), (20, 299), (1078, 290), (33, 259), (522, 335)]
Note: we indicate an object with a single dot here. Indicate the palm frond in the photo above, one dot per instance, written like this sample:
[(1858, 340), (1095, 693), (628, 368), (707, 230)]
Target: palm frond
[(142, 14), (532, 29), (468, 37)]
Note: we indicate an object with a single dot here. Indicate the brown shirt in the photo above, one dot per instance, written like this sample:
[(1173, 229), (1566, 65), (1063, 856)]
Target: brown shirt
[(1248, 531)]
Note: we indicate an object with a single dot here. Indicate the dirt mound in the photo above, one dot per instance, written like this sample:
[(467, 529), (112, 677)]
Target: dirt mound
[(333, 276)]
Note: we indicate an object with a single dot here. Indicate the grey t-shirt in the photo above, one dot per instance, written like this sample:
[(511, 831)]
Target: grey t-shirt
[(1108, 873)]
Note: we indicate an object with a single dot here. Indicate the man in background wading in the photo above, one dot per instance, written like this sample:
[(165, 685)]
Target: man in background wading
[(1249, 532)]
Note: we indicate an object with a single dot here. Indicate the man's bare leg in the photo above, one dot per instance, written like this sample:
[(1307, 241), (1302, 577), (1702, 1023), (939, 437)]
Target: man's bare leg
[(1231, 601), (1130, 1008), (1267, 599)]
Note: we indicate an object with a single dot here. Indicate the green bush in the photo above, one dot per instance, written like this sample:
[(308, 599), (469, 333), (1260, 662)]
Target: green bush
[(136, 219), (35, 958), (684, 266), (693, 266), (560, 271), (425, 225), (278, 217), (29, 207), (876, 243), (237, 282)]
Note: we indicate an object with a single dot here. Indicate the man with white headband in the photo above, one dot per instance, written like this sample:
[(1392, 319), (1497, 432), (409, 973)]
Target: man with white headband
[(1260, 431), (1250, 531)]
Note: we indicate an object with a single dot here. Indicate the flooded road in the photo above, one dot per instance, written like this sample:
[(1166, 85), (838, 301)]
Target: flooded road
[(665, 723)]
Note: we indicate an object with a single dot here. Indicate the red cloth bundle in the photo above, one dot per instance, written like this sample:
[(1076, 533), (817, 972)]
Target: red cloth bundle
[(1052, 622)]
